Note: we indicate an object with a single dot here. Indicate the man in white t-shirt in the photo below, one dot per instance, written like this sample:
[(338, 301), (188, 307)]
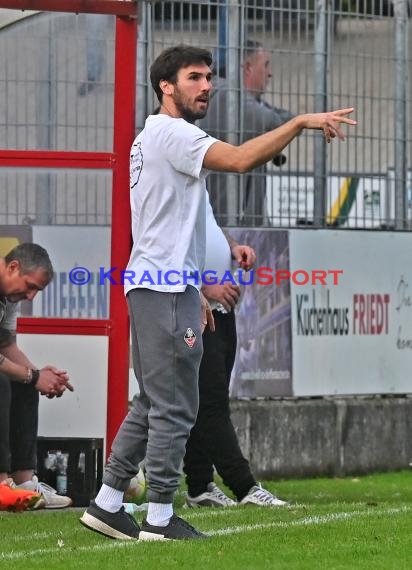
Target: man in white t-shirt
[(169, 162)]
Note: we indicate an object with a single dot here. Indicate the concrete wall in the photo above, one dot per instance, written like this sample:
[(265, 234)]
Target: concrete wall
[(334, 436)]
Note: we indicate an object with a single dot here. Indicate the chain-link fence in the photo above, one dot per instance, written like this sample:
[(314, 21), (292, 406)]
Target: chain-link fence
[(56, 92)]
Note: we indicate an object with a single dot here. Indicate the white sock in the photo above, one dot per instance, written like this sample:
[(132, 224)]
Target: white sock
[(159, 514), (109, 499)]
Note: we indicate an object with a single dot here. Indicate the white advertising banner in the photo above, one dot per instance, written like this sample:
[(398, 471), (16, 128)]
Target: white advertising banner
[(351, 297), (81, 413), (355, 202), (78, 290)]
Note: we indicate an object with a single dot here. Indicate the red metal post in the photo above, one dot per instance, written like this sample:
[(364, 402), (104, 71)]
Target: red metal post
[(124, 132)]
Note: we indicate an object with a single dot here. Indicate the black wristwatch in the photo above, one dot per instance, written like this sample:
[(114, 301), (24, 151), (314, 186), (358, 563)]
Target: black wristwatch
[(33, 375)]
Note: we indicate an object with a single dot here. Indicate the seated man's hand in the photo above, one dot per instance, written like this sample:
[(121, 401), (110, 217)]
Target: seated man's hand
[(53, 382), (62, 374)]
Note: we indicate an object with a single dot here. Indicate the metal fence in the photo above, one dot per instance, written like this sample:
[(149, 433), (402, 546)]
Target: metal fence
[(56, 92)]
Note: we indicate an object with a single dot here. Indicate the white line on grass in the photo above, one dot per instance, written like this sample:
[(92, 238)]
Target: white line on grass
[(188, 515), (311, 520), (318, 519), (64, 550)]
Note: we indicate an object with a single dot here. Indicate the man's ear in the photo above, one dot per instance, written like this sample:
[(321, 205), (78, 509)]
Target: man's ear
[(247, 65), (166, 87), (13, 266)]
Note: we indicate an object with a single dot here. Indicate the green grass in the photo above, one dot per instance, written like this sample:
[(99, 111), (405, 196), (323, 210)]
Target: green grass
[(351, 523)]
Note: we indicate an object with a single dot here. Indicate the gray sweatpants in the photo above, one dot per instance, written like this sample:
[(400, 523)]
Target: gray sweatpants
[(158, 425)]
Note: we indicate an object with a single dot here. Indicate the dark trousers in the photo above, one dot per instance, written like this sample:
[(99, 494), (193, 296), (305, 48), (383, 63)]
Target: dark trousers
[(19, 412), (213, 440)]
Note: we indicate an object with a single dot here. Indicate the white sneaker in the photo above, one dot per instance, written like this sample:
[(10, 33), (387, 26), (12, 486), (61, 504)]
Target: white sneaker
[(51, 498), (259, 496), (213, 497)]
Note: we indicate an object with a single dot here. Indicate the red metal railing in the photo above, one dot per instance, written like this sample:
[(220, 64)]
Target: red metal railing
[(56, 159), (115, 7), (89, 327)]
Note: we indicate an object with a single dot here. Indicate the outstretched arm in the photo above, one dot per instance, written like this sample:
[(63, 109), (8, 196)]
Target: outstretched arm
[(224, 157)]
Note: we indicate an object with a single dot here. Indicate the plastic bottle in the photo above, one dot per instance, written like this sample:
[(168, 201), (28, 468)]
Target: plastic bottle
[(221, 309), (61, 473), (132, 508)]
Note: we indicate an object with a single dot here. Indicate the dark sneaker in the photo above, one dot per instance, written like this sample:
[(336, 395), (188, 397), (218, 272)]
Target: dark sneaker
[(177, 529), (118, 525)]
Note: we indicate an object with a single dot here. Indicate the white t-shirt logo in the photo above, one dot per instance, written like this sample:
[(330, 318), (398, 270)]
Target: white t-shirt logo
[(136, 164)]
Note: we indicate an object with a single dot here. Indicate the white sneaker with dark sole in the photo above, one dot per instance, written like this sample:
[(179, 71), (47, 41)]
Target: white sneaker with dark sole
[(119, 525), (262, 498), (51, 499), (213, 497)]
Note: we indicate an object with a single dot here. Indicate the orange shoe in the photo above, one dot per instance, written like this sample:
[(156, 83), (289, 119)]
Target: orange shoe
[(12, 499)]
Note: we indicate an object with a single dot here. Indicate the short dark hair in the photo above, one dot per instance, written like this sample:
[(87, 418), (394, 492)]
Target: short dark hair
[(31, 257), (251, 47), (167, 65)]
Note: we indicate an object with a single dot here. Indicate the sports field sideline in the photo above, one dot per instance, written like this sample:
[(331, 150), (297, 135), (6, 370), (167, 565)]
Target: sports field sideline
[(353, 523)]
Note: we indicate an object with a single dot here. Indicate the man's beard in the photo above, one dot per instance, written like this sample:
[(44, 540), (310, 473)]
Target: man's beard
[(187, 114), (190, 116)]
